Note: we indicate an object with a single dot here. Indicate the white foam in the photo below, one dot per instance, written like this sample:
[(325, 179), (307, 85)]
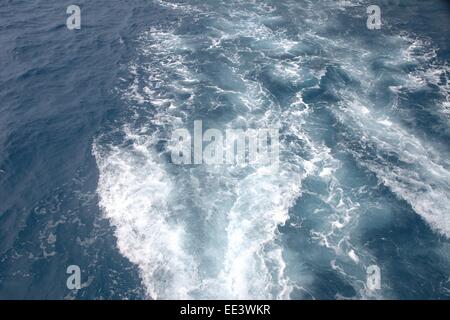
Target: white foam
[(139, 196), (212, 232), (134, 192), (353, 256), (422, 176)]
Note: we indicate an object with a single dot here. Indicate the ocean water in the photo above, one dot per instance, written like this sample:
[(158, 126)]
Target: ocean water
[(363, 177)]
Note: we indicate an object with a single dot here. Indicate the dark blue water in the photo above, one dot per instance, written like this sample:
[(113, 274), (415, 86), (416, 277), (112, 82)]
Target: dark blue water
[(86, 177)]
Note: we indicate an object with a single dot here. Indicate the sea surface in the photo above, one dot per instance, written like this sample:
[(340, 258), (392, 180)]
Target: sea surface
[(363, 177)]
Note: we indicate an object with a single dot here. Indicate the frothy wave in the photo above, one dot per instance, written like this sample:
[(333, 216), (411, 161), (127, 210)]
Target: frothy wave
[(214, 231)]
